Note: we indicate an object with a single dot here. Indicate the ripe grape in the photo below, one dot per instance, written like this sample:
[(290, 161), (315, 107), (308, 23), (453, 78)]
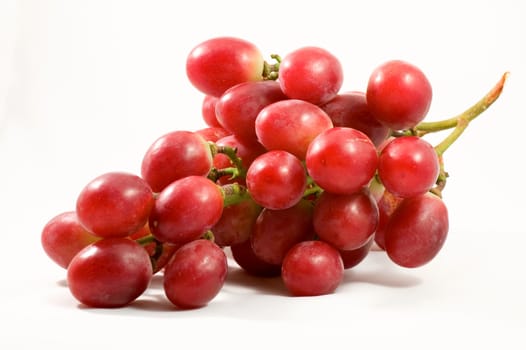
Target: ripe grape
[(173, 156), (276, 180), (236, 223), (186, 209), (350, 110), (208, 111), (291, 125), (109, 273), (195, 274), (114, 204), (341, 160), (311, 74), (219, 63), (276, 231), (417, 230), (245, 257), (398, 94), (238, 107), (312, 268), (345, 221), (408, 166), (63, 237)]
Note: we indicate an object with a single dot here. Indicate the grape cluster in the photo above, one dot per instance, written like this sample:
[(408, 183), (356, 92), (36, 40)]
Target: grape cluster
[(297, 178)]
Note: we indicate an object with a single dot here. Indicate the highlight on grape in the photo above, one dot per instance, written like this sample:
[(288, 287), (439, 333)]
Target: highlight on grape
[(298, 179)]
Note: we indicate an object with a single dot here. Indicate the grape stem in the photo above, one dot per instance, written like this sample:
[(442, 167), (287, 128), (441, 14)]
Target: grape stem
[(238, 170), (271, 70), (234, 194), (466, 116)]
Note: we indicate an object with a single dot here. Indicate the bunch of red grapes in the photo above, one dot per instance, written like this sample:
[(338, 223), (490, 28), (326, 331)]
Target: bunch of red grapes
[(295, 177)]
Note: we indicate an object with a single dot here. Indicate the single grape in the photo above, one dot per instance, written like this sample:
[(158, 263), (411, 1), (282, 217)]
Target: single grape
[(398, 94), (219, 63), (417, 230), (291, 125), (208, 111), (245, 257), (239, 106), (341, 160), (236, 223), (276, 180), (114, 204), (312, 268), (276, 231), (109, 273), (186, 209), (350, 110), (195, 274), (345, 221), (63, 237), (311, 74), (175, 155), (408, 166)]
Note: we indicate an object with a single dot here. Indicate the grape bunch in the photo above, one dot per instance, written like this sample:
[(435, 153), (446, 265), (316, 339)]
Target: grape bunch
[(295, 177)]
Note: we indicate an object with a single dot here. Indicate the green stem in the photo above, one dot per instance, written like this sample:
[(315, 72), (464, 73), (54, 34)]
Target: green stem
[(312, 190), (231, 153), (468, 115), (234, 194), (271, 70), (146, 240), (461, 125)]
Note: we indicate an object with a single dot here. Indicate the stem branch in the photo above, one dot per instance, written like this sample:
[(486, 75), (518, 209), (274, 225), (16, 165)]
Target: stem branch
[(469, 114)]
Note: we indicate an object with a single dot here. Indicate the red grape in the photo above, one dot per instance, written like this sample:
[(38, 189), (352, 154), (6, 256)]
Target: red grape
[(219, 63), (345, 221), (350, 110), (195, 274), (236, 223), (291, 125), (311, 74), (208, 111), (239, 106), (341, 160), (417, 230), (312, 268), (114, 204), (276, 231), (276, 180), (186, 209), (173, 156), (63, 237), (245, 257), (408, 166), (109, 273), (398, 94)]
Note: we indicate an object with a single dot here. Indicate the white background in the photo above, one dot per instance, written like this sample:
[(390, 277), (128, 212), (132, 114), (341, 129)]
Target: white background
[(87, 86)]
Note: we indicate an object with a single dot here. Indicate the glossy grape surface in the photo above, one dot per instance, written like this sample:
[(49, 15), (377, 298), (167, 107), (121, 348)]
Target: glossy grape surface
[(114, 204), (111, 272)]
